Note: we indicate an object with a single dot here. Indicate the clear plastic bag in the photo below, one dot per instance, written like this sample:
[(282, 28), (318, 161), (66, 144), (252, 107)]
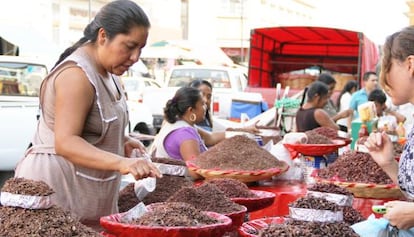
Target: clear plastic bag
[(392, 231), (134, 213), (389, 231), (143, 186)]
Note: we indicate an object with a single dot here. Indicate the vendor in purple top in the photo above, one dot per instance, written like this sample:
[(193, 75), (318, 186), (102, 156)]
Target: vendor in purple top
[(179, 137)]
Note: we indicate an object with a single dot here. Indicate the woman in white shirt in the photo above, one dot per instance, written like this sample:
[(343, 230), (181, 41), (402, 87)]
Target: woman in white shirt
[(343, 102)]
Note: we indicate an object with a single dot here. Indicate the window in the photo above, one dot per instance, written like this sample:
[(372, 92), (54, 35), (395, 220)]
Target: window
[(21, 79), (183, 77)]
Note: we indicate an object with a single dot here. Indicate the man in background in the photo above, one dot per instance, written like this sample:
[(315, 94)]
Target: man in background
[(370, 80)]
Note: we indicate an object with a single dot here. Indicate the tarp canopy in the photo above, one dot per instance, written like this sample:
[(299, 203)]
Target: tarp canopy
[(28, 42), (183, 49), (284, 49)]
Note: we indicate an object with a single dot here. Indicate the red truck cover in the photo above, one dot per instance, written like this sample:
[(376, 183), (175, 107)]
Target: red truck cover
[(283, 49)]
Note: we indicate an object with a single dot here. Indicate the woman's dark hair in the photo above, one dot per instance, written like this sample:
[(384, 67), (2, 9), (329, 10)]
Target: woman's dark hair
[(316, 88), (196, 84), (117, 17), (327, 78), (351, 84), (184, 98), (377, 95)]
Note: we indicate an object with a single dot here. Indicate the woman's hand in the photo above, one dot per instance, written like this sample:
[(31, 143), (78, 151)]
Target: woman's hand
[(139, 168), (380, 147), (400, 214), (131, 144), (251, 129)]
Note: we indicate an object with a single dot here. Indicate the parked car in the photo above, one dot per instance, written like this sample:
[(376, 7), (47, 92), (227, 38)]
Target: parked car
[(134, 86), (140, 117), (228, 83), (20, 80)]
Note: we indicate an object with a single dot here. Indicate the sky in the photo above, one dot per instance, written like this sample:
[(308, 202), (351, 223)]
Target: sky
[(375, 18)]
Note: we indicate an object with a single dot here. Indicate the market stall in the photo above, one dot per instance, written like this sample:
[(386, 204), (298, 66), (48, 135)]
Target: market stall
[(288, 191), (249, 190)]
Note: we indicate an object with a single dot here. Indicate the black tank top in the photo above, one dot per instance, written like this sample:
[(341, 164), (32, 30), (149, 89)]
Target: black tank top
[(305, 120)]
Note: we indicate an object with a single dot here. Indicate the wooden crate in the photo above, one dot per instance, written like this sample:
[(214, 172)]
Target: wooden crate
[(296, 81), (342, 79)]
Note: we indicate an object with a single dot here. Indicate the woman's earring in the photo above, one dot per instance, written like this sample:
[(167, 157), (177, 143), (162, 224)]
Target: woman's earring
[(193, 117)]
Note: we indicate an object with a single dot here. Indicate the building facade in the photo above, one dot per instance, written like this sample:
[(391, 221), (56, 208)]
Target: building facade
[(225, 23)]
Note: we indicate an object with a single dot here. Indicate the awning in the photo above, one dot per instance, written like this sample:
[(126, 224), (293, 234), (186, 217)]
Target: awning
[(29, 41), (283, 49), (183, 49)]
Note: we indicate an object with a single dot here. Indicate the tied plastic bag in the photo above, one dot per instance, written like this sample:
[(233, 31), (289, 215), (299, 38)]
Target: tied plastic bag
[(281, 153), (295, 138)]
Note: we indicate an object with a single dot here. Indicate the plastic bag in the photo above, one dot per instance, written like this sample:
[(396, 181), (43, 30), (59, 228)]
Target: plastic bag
[(295, 138), (25, 201), (143, 186), (339, 199), (389, 231), (281, 153), (367, 111), (176, 170), (379, 227), (371, 227), (392, 231), (134, 213), (388, 121)]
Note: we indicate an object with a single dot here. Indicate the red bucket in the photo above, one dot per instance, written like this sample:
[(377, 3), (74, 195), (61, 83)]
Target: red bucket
[(237, 218), (263, 199)]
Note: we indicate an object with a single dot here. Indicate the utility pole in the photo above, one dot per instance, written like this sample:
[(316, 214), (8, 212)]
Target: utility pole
[(89, 10), (241, 32)]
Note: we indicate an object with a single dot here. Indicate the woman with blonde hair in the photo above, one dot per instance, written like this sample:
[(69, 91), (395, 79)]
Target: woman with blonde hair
[(397, 79)]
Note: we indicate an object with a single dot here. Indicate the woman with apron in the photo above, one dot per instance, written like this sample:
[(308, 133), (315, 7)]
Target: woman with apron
[(80, 149)]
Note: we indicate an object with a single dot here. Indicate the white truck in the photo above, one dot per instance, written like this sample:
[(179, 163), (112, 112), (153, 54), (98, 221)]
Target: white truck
[(228, 84), (20, 79)]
